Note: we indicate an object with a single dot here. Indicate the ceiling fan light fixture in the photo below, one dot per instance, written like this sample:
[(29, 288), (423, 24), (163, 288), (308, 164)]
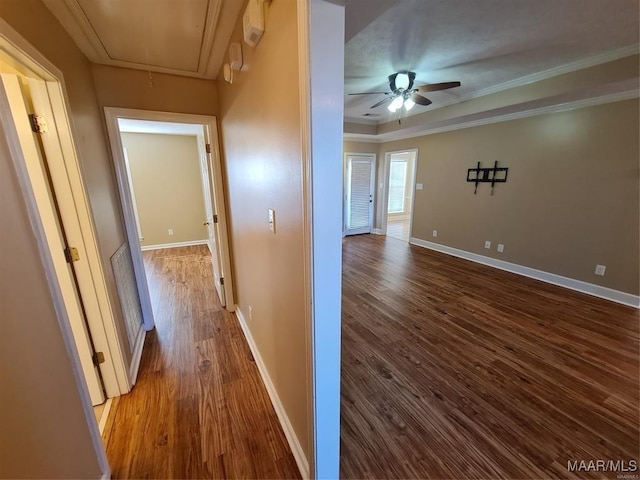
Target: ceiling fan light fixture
[(409, 104), (396, 104), (402, 81)]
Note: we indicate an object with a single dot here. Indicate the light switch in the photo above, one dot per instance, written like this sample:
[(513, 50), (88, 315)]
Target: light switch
[(419, 186), (272, 220)]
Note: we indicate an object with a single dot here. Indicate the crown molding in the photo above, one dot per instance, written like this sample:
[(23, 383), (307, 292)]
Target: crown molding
[(575, 66)]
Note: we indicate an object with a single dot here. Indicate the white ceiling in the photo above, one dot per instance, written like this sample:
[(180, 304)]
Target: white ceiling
[(482, 43), (180, 37)]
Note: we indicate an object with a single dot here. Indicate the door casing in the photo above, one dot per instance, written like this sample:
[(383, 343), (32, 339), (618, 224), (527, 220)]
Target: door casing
[(210, 131)]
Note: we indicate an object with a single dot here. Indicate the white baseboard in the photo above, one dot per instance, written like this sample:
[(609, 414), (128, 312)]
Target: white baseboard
[(377, 231), (190, 243), (292, 438), (105, 415), (570, 283), (137, 355)]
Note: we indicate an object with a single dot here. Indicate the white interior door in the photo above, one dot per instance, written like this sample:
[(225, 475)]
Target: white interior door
[(359, 189), (211, 222), (20, 99)]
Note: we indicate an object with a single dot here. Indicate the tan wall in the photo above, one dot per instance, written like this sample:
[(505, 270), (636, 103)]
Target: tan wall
[(127, 88), (44, 432), (165, 170), (32, 20), (571, 200), (261, 142)]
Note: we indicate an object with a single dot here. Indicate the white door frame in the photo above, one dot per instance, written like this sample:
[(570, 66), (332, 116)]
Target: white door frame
[(91, 273), (215, 171), (385, 189), (31, 62), (372, 189)]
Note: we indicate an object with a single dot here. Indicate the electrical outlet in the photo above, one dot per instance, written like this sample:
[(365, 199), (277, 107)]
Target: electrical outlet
[(435, 233), (500, 248), (250, 313), (600, 269), (487, 244), (170, 231)]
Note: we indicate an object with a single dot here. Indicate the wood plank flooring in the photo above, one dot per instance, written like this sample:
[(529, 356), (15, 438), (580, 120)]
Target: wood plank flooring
[(199, 408), (452, 369)]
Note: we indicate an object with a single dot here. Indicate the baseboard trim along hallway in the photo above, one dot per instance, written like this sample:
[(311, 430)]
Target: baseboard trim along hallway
[(190, 243), (570, 283), (292, 438)]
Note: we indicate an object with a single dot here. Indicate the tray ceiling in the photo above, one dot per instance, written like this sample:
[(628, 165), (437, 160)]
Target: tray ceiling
[(178, 37)]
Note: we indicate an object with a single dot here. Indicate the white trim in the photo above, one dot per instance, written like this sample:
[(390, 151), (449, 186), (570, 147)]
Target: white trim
[(503, 114), (289, 432), (137, 355), (105, 415), (13, 145), (377, 231), (385, 188), (570, 283), (190, 243), (532, 78), (112, 115)]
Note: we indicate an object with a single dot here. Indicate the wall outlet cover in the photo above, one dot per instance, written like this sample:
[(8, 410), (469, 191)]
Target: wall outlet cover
[(600, 269), (487, 244), (435, 233), (170, 231), (500, 247)]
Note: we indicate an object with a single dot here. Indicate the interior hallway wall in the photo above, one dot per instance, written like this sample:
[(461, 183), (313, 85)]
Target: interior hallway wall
[(44, 431), (262, 150), (165, 171)]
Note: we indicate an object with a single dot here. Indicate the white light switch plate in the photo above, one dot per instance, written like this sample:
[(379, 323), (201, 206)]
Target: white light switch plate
[(272, 220), (419, 186)]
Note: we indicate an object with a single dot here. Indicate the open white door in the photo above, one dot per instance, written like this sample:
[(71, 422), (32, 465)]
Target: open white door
[(20, 99), (211, 222), (359, 185)]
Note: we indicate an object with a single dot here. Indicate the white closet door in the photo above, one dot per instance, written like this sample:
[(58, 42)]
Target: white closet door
[(359, 195)]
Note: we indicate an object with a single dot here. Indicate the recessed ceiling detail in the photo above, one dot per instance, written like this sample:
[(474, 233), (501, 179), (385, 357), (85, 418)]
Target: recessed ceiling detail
[(168, 36)]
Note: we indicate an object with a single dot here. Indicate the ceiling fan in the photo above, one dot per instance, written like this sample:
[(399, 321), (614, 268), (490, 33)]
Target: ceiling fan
[(403, 94)]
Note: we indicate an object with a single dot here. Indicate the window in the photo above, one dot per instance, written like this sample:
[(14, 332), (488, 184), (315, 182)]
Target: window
[(397, 185)]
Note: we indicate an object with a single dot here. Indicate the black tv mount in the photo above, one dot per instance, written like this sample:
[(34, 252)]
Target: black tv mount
[(491, 175)]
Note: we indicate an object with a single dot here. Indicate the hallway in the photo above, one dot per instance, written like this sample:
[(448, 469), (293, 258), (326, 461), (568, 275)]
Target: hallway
[(199, 408)]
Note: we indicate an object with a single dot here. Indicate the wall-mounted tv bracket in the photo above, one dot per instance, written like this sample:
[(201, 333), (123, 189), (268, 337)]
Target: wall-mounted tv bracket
[(486, 175)]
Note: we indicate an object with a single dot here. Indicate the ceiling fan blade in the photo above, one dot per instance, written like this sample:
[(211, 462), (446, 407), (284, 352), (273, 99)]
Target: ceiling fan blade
[(382, 102), (370, 93), (420, 100), (434, 87)]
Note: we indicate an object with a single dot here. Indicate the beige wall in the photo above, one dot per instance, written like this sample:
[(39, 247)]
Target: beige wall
[(571, 200), (126, 88), (261, 142), (32, 20), (43, 429), (165, 170)]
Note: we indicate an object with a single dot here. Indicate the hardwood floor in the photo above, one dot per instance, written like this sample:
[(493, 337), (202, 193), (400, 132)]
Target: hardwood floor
[(398, 228), (199, 408), (452, 369)]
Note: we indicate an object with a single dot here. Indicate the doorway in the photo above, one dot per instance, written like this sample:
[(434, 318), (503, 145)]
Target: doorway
[(359, 184), (213, 220), (400, 179)]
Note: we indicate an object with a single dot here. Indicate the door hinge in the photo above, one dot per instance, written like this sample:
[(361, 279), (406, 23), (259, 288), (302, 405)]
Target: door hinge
[(38, 123), (98, 358), (221, 280), (215, 219), (71, 254), (208, 147)]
